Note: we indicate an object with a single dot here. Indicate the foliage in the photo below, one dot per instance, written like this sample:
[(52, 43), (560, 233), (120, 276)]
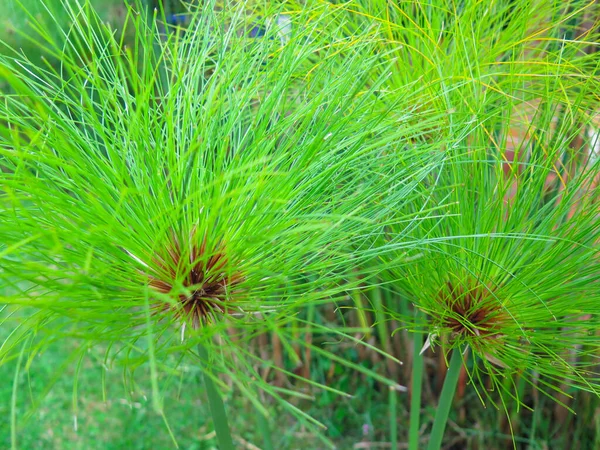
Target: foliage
[(236, 177), (190, 188)]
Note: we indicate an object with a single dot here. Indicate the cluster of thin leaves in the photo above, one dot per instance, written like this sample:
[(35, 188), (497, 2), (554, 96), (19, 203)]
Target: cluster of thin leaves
[(509, 272), (197, 186)]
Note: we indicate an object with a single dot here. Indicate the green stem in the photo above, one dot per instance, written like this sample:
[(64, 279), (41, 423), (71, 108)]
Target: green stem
[(441, 415), (13, 408), (415, 393), (217, 408), (263, 422), (393, 420)]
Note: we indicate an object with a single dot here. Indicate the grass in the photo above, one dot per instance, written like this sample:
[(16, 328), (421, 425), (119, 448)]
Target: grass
[(17, 16), (121, 422)]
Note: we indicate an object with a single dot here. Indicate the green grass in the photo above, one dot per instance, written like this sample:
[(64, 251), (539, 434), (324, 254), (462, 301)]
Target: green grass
[(16, 17), (122, 422)]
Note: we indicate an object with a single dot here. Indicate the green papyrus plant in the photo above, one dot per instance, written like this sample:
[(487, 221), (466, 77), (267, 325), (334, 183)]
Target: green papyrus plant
[(506, 277), (170, 198)]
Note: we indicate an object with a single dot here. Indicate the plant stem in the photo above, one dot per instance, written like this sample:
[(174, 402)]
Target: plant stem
[(393, 421), (13, 408), (217, 408), (415, 394), (360, 312), (441, 415), (263, 422)]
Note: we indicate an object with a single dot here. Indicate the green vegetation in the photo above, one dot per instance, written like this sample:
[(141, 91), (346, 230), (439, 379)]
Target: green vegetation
[(354, 224)]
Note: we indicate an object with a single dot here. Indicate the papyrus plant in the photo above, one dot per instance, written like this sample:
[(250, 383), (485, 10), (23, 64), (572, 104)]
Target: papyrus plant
[(511, 286), (508, 283), (186, 191)]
